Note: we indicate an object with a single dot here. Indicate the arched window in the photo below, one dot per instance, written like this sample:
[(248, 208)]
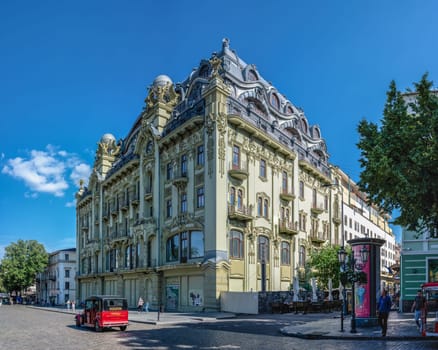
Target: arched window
[(285, 253), (252, 76), (275, 101), (304, 125), (265, 208), (263, 249), (289, 110), (236, 245), (259, 206), (239, 199), (232, 195)]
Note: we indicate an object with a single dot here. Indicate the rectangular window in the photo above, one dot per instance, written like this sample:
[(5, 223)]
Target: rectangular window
[(262, 171), (196, 244), (200, 198), (184, 203), (66, 273), (184, 246), (265, 208), (172, 248), (236, 157), (169, 208), (169, 171), (67, 285), (236, 245), (285, 253), (301, 189), (66, 257), (200, 155), (259, 206), (184, 165), (284, 182)]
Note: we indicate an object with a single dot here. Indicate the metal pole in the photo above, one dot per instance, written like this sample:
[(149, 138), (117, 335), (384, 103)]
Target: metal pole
[(342, 308)]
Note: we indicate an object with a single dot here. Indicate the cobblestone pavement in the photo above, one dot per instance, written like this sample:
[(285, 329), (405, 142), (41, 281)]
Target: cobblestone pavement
[(207, 331)]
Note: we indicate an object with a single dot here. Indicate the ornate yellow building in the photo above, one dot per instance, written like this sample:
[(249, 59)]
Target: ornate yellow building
[(220, 185)]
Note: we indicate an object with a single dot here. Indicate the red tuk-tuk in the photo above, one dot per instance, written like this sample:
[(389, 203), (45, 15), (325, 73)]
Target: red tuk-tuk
[(104, 311)]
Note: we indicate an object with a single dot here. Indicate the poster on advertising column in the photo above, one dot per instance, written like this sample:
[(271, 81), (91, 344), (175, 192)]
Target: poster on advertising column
[(362, 298)]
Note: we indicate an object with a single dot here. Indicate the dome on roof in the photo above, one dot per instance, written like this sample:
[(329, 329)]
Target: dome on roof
[(107, 138), (162, 80)]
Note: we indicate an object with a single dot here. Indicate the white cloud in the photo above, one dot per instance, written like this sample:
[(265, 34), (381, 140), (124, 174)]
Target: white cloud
[(47, 171)]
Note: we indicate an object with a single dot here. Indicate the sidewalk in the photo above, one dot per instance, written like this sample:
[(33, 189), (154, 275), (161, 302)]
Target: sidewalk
[(401, 326)]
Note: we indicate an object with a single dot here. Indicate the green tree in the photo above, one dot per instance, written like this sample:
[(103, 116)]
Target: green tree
[(399, 158), (20, 264), (325, 264)]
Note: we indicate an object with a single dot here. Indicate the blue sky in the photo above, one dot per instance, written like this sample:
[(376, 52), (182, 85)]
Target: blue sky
[(71, 71)]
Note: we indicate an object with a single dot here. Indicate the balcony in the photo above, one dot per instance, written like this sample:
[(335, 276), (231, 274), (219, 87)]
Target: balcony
[(242, 213), (288, 227), (148, 194), (238, 171), (85, 227), (114, 211), (180, 181), (125, 205), (135, 199), (317, 237), (317, 208), (286, 195)]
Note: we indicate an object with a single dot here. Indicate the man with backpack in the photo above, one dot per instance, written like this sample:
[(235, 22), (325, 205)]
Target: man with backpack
[(420, 308)]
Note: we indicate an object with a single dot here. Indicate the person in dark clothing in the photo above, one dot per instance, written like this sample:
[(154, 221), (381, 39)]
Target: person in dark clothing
[(420, 308), (383, 308)]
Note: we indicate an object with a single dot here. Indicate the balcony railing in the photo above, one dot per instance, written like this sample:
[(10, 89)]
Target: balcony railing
[(238, 171), (240, 213), (286, 194), (317, 237), (317, 208), (288, 227)]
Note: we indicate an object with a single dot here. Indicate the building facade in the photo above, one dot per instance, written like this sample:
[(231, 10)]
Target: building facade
[(362, 220), (57, 284), (221, 185)]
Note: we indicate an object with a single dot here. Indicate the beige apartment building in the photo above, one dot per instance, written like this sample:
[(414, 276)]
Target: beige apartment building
[(220, 185)]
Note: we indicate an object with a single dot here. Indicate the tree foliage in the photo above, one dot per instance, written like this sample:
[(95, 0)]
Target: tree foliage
[(399, 158), (325, 264), (20, 264)]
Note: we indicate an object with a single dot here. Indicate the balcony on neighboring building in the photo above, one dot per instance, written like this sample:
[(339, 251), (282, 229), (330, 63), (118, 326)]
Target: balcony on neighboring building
[(180, 181), (114, 210), (317, 237), (288, 227), (135, 198), (238, 171), (148, 194), (124, 206), (240, 212), (317, 208), (286, 195)]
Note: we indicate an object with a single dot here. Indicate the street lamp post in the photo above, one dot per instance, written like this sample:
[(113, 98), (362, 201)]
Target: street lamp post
[(349, 265)]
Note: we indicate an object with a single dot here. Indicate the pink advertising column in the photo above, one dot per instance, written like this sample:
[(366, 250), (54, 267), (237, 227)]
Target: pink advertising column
[(367, 293)]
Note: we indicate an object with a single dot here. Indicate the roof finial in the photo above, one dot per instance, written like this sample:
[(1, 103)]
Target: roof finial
[(225, 43)]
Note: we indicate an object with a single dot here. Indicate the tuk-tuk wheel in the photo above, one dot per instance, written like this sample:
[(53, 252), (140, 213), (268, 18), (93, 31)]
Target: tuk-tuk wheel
[(123, 328), (97, 328)]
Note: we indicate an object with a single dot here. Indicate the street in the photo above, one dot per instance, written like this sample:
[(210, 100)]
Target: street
[(27, 328)]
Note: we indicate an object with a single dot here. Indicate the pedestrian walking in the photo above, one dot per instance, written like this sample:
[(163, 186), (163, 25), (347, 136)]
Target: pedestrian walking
[(140, 304), (383, 308), (68, 304), (419, 307), (146, 306), (73, 305)]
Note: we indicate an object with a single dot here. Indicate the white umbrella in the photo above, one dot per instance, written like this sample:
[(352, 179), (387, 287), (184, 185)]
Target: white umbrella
[(314, 297), (296, 289), (330, 287)]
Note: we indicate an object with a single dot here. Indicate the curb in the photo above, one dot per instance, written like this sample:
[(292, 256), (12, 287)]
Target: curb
[(323, 335)]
